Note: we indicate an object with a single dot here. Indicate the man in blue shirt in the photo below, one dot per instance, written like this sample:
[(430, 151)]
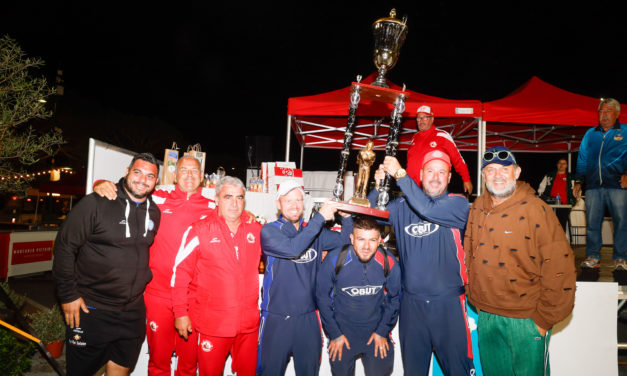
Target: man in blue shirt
[(358, 294), (289, 323), (602, 165), (429, 226)]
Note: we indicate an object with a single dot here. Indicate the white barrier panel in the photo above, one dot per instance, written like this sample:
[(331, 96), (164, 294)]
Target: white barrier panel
[(588, 333), (30, 252), (585, 343)]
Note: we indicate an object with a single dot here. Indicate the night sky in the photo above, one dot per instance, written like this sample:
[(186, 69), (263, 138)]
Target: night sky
[(219, 71)]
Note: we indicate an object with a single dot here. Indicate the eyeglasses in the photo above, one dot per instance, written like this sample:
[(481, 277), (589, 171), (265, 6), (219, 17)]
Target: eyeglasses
[(423, 117), (502, 155)]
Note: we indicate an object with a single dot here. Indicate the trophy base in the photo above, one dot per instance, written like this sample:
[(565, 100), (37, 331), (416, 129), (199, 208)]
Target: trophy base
[(380, 82), (359, 209), (359, 201)]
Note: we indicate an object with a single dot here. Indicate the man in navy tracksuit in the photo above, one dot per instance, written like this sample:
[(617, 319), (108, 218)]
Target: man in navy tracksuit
[(358, 295), (289, 322), (428, 226)]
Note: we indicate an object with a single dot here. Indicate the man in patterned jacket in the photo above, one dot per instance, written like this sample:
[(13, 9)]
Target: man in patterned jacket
[(521, 270)]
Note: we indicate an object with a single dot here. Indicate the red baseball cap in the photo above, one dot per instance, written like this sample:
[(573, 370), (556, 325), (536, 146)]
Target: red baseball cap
[(436, 154)]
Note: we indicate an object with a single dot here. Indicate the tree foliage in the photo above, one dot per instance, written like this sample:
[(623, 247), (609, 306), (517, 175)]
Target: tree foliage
[(22, 99), (15, 353)]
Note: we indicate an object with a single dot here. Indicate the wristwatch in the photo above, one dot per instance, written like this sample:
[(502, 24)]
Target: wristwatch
[(400, 173)]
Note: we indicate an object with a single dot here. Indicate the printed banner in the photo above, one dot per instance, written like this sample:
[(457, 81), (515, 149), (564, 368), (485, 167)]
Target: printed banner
[(27, 252)]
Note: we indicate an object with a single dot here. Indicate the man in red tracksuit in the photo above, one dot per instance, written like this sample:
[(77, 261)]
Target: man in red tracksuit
[(179, 207), (428, 139), (215, 284)]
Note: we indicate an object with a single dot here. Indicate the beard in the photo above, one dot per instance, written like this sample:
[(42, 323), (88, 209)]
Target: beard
[(134, 192), (433, 192), (506, 192), (364, 260)]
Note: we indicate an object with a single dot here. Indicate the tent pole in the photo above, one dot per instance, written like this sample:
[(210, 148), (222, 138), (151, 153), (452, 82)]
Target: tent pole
[(287, 139), (481, 133), (302, 152), (570, 155), (37, 209)]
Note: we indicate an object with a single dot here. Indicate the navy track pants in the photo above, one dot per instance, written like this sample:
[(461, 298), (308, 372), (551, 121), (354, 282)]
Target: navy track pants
[(437, 325), (281, 336)]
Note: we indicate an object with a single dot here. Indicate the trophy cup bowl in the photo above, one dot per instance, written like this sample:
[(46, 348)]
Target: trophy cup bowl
[(389, 36)]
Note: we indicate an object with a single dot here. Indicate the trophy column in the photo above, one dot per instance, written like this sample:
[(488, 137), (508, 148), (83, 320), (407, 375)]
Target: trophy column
[(338, 189), (369, 93), (391, 148)]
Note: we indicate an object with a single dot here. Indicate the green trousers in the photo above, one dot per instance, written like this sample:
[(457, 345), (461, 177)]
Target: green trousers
[(511, 346)]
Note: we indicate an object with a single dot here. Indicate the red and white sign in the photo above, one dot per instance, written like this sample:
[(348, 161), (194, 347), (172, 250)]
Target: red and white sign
[(274, 173), (288, 172), (27, 252)]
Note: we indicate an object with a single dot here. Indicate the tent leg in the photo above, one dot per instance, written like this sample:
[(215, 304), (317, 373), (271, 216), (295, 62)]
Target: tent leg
[(287, 138), (481, 133), (570, 157), (302, 152)]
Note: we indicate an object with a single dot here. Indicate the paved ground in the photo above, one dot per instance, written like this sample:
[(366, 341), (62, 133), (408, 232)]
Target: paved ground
[(40, 290)]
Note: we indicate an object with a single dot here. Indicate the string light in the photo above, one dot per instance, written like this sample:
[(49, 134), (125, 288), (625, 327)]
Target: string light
[(40, 173)]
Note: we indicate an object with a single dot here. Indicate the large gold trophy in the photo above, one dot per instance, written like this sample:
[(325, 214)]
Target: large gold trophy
[(389, 35)]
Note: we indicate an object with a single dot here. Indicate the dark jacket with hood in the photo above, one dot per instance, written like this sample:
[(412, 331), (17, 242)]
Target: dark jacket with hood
[(101, 251)]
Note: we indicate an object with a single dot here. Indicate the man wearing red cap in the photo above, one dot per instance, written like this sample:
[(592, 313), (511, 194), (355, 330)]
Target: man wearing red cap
[(428, 224), (428, 139)]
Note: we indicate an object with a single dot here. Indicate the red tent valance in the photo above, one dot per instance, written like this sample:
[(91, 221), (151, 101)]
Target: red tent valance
[(318, 120), (538, 102)]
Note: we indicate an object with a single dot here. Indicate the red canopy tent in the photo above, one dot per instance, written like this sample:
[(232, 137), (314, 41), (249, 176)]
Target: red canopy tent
[(540, 117), (536, 117), (319, 120)]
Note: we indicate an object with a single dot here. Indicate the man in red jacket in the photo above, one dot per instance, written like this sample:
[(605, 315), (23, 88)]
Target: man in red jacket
[(428, 139), (215, 284), (180, 207)]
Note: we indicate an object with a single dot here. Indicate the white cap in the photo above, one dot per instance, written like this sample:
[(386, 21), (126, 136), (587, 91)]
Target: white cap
[(425, 109), (287, 186)]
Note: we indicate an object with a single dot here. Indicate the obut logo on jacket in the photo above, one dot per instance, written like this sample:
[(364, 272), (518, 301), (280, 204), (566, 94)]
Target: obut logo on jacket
[(420, 229), (307, 256), (354, 291)]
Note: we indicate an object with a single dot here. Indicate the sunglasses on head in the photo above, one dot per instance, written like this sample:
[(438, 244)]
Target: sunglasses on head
[(502, 155)]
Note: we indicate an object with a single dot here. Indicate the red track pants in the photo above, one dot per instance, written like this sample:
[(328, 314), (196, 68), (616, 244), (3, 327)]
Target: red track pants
[(163, 340), (213, 351)]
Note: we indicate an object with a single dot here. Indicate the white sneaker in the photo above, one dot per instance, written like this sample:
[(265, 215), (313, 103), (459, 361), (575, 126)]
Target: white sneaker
[(593, 263)]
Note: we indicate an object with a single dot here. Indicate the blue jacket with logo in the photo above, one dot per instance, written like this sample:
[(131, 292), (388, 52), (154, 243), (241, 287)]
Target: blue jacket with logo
[(292, 259), (602, 157), (429, 234), (364, 298)]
